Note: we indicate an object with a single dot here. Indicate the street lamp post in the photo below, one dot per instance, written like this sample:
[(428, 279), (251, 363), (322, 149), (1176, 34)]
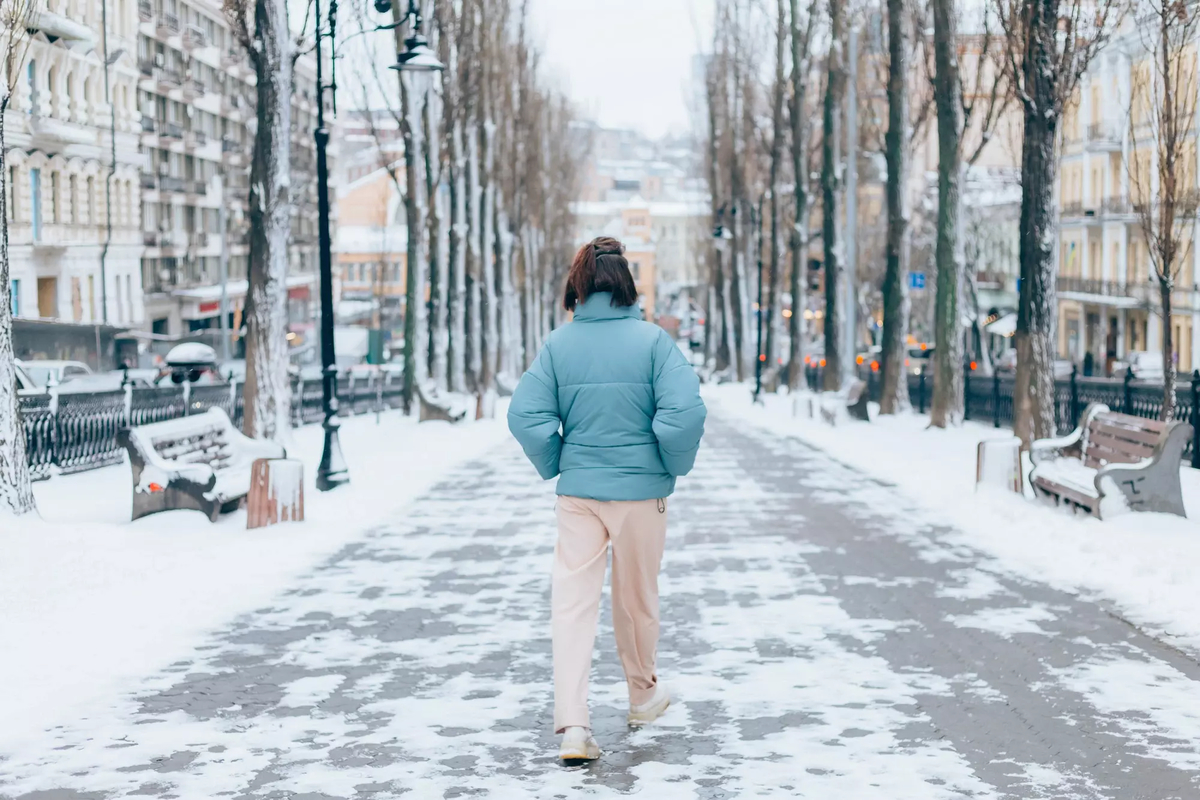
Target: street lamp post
[(332, 472), (416, 57)]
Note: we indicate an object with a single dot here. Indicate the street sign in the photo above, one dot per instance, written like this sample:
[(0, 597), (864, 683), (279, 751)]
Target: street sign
[(916, 280)]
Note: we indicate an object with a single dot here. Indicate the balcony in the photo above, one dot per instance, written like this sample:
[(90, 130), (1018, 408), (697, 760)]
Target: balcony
[(51, 133), (1116, 207), (145, 11), (197, 187), (1078, 211), (1104, 137), (168, 78), (234, 105), (170, 130), (194, 139), (193, 89), (198, 239), (168, 24), (148, 124), (232, 57), (169, 183), (150, 238), (146, 67), (194, 37), (1132, 294), (148, 181)]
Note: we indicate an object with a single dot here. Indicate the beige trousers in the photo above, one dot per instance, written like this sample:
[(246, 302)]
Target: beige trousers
[(637, 530)]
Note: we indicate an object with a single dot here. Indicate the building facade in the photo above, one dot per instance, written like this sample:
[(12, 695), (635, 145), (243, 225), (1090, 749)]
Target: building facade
[(1108, 296), (195, 107), (67, 262), (372, 252)]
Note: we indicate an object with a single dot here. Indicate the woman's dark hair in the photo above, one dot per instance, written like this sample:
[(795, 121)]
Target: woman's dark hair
[(600, 266)]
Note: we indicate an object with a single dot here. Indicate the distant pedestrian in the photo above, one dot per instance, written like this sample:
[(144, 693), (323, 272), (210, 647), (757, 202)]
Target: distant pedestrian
[(611, 406)]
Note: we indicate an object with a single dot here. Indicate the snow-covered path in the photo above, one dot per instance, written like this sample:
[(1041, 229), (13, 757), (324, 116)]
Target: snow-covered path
[(821, 641)]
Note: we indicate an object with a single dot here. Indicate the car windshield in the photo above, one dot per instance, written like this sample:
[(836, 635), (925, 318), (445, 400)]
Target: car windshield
[(41, 375)]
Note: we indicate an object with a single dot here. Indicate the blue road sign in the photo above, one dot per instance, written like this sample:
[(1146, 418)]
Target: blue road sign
[(916, 280)]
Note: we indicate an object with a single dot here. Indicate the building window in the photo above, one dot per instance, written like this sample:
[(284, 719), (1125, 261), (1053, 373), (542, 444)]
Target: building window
[(54, 197), (12, 194), (15, 288), (72, 200), (35, 201)]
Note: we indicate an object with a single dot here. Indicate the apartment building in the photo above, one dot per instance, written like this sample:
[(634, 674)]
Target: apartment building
[(1108, 297), (60, 138), (195, 103)]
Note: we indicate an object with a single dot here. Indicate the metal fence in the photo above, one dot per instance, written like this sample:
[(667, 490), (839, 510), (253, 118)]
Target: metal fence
[(990, 399), (77, 431)]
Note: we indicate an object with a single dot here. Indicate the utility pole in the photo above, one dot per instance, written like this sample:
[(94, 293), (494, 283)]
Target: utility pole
[(850, 293)]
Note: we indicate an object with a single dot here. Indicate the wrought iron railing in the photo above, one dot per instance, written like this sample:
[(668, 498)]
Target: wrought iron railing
[(77, 431), (989, 399)]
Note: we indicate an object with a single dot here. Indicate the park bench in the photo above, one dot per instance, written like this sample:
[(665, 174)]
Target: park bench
[(853, 397), (436, 406), (1113, 454), (201, 462)]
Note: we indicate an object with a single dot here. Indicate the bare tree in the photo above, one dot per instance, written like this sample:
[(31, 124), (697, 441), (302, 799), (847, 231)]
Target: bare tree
[(1048, 46), (778, 136), (894, 397), (831, 186), (16, 493), (948, 352), (1162, 130), (801, 36), (271, 50)]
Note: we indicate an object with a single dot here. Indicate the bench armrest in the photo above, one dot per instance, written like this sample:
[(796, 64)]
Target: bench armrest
[(1049, 449), (156, 469), (1151, 484), (1069, 445)]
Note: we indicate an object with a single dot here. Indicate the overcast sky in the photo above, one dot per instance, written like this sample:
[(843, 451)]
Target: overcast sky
[(626, 63)]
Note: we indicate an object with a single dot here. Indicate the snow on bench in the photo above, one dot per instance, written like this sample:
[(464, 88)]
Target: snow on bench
[(1113, 460), (201, 462)]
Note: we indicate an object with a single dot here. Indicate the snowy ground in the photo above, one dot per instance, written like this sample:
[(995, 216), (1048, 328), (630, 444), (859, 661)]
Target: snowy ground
[(1144, 563), (821, 637), (90, 602)]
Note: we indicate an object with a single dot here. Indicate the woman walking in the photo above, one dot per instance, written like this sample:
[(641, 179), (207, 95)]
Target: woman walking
[(613, 408)]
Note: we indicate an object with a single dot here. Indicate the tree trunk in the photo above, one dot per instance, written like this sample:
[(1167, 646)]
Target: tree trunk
[(835, 91), (487, 246), (16, 492), (1033, 394), (799, 238), (458, 261), (474, 306), (947, 407), (894, 397), (774, 295), (1166, 288), (414, 205), (439, 262), (268, 392)]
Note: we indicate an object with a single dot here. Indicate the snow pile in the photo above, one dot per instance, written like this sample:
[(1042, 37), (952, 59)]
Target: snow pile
[(1145, 563), (89, 601)]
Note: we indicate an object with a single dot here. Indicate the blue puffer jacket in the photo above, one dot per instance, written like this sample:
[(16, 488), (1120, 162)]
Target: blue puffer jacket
[(611, 405)]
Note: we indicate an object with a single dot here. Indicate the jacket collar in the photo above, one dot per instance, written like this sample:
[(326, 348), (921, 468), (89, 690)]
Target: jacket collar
[(599, 307)]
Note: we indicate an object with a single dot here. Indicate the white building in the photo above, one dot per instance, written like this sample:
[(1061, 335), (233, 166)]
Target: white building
[(60, 154)]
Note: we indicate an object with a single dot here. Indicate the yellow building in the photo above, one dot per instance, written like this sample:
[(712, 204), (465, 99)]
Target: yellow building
[(1108, 297), (372, 242)]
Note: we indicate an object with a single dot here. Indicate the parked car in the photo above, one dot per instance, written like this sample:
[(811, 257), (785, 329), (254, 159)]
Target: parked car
[(49, 373), (110, 381), (1145, 366), (26, 384)]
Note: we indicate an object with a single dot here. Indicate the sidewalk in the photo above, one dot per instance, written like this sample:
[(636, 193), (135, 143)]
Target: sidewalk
[(91, 601), (821, 640), (1144, 563)]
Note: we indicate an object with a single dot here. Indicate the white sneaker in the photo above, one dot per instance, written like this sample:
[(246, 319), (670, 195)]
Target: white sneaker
[(578, 745), (651, 710)]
